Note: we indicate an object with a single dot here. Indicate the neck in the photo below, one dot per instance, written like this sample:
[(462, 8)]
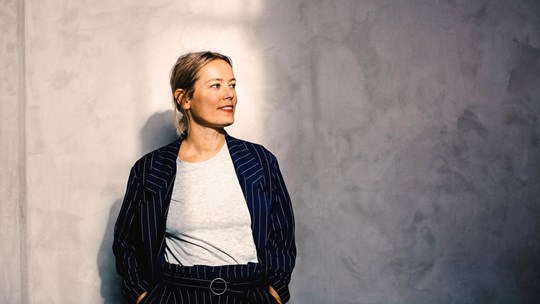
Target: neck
[(201, 144)]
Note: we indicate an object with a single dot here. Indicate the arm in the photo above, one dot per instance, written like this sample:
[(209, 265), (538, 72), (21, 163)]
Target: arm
[(281, 244), (127, 244)]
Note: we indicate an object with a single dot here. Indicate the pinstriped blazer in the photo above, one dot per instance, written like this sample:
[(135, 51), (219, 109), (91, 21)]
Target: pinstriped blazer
[(139, 234)]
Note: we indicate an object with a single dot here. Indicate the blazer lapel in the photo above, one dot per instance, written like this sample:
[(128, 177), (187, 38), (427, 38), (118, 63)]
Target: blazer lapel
[(159, 176), (251, 177)]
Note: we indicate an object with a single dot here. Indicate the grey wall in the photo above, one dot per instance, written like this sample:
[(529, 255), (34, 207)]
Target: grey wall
[(12, 154), (407, 132)]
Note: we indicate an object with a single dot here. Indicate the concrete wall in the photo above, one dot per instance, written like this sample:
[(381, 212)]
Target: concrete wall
[(12, 153), (407, 132)]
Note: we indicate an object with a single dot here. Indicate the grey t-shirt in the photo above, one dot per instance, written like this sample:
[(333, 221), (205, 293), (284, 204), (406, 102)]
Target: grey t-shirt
[(208, 221)]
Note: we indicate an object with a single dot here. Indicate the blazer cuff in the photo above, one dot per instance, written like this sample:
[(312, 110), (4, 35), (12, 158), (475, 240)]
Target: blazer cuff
[(282, 288)]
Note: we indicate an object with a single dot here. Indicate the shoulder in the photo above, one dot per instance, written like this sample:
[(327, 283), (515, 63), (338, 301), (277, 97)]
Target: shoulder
[(163, 158), (243, 146), (241, 149)]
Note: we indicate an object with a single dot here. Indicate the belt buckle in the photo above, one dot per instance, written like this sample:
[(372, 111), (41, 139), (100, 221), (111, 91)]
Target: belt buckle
[(212, 288)]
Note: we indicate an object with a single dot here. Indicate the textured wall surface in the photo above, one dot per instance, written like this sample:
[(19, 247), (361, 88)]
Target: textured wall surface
[(11, 154), (407, 132)]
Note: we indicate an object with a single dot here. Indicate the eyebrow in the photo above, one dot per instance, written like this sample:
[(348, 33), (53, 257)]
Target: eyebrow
[(219, 79)]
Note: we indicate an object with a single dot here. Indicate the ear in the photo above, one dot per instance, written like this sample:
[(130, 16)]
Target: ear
[(181, 99)]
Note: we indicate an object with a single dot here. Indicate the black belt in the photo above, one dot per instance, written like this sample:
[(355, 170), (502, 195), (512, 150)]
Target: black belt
[(217, 286)]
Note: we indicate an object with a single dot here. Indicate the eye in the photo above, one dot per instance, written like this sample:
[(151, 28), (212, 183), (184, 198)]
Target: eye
[(215, 85), (232, 85)]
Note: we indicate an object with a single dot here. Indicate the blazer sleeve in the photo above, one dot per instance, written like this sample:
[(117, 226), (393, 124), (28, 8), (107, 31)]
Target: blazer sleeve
[(281, 243), (127, 244)]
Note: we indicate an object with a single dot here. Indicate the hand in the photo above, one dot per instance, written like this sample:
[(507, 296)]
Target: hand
[(142, 297), (274, 294)]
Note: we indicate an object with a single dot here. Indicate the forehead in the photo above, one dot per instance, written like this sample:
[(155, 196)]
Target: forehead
[(216, 69)]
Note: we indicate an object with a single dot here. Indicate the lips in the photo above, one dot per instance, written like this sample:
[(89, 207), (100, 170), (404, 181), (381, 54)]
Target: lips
[(227, 109)]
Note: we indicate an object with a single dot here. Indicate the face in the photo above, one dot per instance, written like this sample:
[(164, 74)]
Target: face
[(214, 98)]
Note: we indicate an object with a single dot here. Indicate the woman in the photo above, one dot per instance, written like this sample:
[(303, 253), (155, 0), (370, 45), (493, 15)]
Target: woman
[(207, 218)]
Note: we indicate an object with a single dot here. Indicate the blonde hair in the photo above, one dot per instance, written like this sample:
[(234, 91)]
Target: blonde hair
[(184, 74)]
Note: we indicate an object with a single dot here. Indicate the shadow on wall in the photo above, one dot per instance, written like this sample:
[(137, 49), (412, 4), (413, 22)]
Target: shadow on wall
[(158, 130), (111, 282)]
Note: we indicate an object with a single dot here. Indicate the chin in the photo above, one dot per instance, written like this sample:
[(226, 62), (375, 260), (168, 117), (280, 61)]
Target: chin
[(228, 123), (222, 124)]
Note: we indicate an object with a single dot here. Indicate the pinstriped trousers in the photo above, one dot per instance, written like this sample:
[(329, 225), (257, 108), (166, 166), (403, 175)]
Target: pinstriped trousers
[(172, 288)]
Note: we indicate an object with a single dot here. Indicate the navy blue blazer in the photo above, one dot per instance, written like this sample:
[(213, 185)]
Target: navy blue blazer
[(139, 233)]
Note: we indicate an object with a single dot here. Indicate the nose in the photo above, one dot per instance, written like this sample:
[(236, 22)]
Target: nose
[(229, 93)]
